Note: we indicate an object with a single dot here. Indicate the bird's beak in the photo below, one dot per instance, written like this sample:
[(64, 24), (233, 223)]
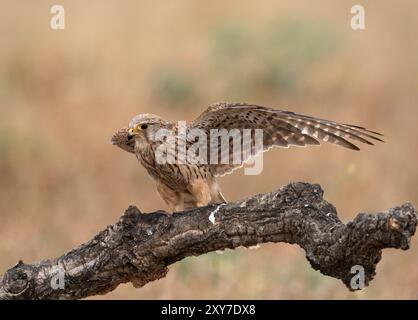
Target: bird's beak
[(132, 132)]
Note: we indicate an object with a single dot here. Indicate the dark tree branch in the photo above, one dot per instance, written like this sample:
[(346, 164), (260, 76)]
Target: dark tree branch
[(140, 247)]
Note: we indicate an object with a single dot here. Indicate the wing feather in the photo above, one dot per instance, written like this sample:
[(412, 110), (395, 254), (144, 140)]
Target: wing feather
[(280, 129)]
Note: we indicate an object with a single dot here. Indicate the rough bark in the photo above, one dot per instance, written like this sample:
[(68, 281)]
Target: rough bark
[(140, 247)]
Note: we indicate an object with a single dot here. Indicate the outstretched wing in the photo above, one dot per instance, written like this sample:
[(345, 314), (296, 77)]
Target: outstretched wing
[(280, 129), (120, 139)]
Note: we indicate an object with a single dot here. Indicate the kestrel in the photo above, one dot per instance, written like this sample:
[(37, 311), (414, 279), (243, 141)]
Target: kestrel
[(184, 185)]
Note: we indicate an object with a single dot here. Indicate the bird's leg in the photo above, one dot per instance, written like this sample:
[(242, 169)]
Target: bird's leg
[(216, 194), (201, 191), (173, 199), (177, 208)]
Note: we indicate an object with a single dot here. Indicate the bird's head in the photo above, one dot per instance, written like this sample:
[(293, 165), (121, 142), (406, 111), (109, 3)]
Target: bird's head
[(145, 126)]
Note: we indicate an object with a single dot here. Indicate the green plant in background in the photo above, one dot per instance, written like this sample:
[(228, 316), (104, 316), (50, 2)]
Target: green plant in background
[(5, 87), (291, 47), (213, 266), (5, 148), (172, 86), (277, 58), (250, 60), (231, 46), (9, 147)]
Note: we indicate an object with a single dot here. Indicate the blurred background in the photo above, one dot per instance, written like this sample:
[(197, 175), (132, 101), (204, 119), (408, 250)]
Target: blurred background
[(63, 94)]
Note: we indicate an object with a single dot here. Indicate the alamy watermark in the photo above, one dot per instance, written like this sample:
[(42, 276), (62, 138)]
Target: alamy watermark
[(57, 21), (218, 146), (358, 20), (58, 278), (358, 280)]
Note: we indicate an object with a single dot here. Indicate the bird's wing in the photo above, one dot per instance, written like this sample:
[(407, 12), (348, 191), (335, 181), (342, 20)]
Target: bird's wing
[(280, 129), (120, 139)]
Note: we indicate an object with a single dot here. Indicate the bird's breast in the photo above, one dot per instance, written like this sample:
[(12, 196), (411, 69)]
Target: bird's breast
[(171, 174)]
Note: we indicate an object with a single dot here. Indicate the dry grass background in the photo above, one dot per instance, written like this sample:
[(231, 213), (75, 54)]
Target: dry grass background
[(63, 93)]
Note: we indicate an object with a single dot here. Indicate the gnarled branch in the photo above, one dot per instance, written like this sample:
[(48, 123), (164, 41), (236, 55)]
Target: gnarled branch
[(140, 247)]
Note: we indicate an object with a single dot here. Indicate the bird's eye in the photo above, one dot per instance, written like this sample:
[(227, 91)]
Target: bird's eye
[(144, 126)]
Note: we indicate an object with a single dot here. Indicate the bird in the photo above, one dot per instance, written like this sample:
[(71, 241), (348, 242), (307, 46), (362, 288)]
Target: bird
[(191, 184)]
